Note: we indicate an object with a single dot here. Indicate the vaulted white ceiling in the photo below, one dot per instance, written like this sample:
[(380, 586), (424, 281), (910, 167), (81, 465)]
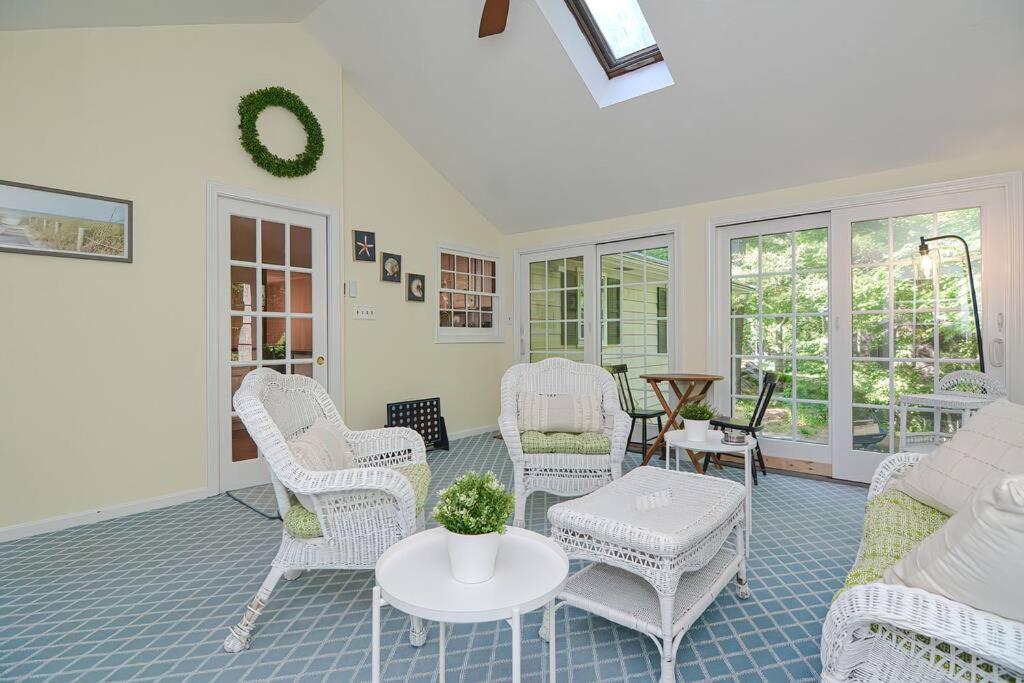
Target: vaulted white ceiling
[(766, 95)]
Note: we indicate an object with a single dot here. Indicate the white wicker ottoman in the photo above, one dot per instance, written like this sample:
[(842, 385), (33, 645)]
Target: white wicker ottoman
[(658, 564)]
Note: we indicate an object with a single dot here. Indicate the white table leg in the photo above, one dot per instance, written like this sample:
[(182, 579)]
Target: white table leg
[(516, 635), (441, 628), (552, 652), (375, 638), (668, 457), (748, 464)]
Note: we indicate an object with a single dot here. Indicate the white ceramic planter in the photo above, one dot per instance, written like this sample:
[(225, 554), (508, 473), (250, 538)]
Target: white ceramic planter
[(696, 430), (472, 557)]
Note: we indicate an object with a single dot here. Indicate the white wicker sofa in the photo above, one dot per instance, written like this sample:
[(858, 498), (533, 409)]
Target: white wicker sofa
[(563, 474), (883, 632)]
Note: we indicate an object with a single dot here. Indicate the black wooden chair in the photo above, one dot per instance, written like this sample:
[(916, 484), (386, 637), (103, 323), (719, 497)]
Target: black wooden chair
[(628, 403), (752, 426)]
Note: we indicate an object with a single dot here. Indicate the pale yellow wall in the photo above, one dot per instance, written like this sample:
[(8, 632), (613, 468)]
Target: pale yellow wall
[(103, 389), (391, 190), (692, 221)]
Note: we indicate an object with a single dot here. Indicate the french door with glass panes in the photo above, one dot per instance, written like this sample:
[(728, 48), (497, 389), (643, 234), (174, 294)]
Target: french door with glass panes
[(900, 328), (621, 290), (273, 303), (775, 275)]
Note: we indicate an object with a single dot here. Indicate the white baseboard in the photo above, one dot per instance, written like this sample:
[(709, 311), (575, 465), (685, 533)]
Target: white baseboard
[(475, 431), (42, 526)]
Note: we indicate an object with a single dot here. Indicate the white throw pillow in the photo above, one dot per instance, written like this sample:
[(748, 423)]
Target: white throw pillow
[(976, 558), (989, 446), (573, 413), (321, 448)]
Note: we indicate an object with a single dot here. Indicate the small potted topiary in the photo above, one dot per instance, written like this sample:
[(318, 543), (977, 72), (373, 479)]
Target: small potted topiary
[(474, 510), (696, 418)]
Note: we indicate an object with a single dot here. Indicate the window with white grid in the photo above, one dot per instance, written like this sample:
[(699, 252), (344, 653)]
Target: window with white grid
[(468, 300)]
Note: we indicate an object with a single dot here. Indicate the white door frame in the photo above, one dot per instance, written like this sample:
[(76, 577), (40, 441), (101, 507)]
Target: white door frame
[(595, 243), (1012, 186), (216, 191)]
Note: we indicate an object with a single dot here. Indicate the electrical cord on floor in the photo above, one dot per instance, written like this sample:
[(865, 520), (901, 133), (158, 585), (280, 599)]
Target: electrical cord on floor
[(254, 509)]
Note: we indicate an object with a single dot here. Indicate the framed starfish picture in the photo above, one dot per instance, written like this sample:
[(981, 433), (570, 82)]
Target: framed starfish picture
[(364, 245)]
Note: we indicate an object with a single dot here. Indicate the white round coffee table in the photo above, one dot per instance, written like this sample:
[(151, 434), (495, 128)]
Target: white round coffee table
[(414, 576), (678, 442)]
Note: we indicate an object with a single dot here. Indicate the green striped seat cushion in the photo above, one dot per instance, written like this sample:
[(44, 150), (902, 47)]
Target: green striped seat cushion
[(587, 443), (302, 523)]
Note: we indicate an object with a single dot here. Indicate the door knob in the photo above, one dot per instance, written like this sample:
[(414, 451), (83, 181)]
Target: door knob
[(319, 360)]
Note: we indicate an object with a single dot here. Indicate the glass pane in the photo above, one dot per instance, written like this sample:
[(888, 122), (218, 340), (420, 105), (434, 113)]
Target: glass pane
[(744, 255), (812, 249), (622, 24), (920, 426), (745, 336), (574, 271), (812, 379), (657, 264), (302, 337), (910, 292), (812, 336), (572, 304), (744, 296), (957, 338), (871, 429), (913, 378), (272, 239), (302, 292), (462, 264), (914, 335), (242, 445), (445, 319), (243, 289), (777, 337), (274, 338), (538, 304), (746, 378), (783, 371), (871, 288), (777, 253), (870, 335), (301, 247), (778, 419), (555, 336), (243, 338), (490, 269), (777, 294), (633, 302), (870, 241), (305, 369), (871, 382), (238, 373), (458, 318), (963, 222), (556, 273), (273, 291), (742, 409), (811, 292), (812, 422), (632, 267), (556, 306), (448, 261), (538, 275), (243, 239), (907, 232)]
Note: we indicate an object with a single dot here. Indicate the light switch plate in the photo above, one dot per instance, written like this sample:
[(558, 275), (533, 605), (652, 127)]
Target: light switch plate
[(364, 312)]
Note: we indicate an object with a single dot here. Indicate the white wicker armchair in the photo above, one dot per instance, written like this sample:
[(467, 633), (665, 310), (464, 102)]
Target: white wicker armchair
[(361, 511), (563, 474), (881, 632)]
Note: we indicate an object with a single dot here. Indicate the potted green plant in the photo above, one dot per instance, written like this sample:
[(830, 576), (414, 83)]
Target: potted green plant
[(474, 510), (696, 418)]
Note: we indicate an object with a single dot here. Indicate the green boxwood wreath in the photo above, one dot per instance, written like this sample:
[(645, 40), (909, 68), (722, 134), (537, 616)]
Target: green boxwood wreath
[(249, 109)]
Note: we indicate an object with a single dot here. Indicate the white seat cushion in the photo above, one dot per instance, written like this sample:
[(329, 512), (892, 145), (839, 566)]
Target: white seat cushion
[(321, 448), (975, 558), (985, 449)]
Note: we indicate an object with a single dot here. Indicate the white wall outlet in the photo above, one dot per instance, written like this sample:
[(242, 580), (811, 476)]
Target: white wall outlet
[(364, 312)]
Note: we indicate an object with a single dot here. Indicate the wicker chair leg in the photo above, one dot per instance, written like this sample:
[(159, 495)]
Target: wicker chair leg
[(241, 633), (742, 587), (519, 515), (668, 655), (417, 632), (547, 622)]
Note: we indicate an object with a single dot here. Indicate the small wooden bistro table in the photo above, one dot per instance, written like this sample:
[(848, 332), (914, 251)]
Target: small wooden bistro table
[(688, 388)]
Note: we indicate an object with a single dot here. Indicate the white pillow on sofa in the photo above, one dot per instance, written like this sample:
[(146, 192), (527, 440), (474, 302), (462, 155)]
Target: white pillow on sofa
[(977, 557), (989, 446), (549, 412), (321, 448)]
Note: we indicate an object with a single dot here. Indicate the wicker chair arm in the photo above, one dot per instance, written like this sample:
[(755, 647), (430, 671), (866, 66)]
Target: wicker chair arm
[(620, 435), (988, 636), (387, 447), (890, 468), (361, 480), (508, 423)]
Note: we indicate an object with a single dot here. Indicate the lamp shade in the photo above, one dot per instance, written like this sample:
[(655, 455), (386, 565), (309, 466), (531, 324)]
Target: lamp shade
[(927, 262)]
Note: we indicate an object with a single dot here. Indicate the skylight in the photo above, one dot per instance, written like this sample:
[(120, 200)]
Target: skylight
[(617, 32)]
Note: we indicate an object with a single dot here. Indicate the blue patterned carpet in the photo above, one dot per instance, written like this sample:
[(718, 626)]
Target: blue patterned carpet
[(149, 597)]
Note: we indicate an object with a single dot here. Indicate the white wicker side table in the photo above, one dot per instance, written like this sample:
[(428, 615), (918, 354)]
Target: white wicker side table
[(414, 576), (658, 541)]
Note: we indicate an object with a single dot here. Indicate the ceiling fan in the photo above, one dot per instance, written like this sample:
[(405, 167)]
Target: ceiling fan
[(492, 21)]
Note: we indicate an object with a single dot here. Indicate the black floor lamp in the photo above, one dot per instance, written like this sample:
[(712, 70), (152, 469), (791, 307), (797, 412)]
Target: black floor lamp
[(928, 264)]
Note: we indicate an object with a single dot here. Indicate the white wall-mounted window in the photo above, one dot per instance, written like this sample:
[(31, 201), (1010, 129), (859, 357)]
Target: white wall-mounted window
[(469, 296)]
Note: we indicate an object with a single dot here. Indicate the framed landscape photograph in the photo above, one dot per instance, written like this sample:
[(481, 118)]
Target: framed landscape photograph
[(42, 220)]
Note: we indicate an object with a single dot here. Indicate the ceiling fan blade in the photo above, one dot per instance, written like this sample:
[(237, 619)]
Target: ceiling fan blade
[(492, 22)]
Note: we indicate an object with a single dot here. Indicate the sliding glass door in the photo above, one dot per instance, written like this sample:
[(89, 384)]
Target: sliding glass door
[(609, 304)]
